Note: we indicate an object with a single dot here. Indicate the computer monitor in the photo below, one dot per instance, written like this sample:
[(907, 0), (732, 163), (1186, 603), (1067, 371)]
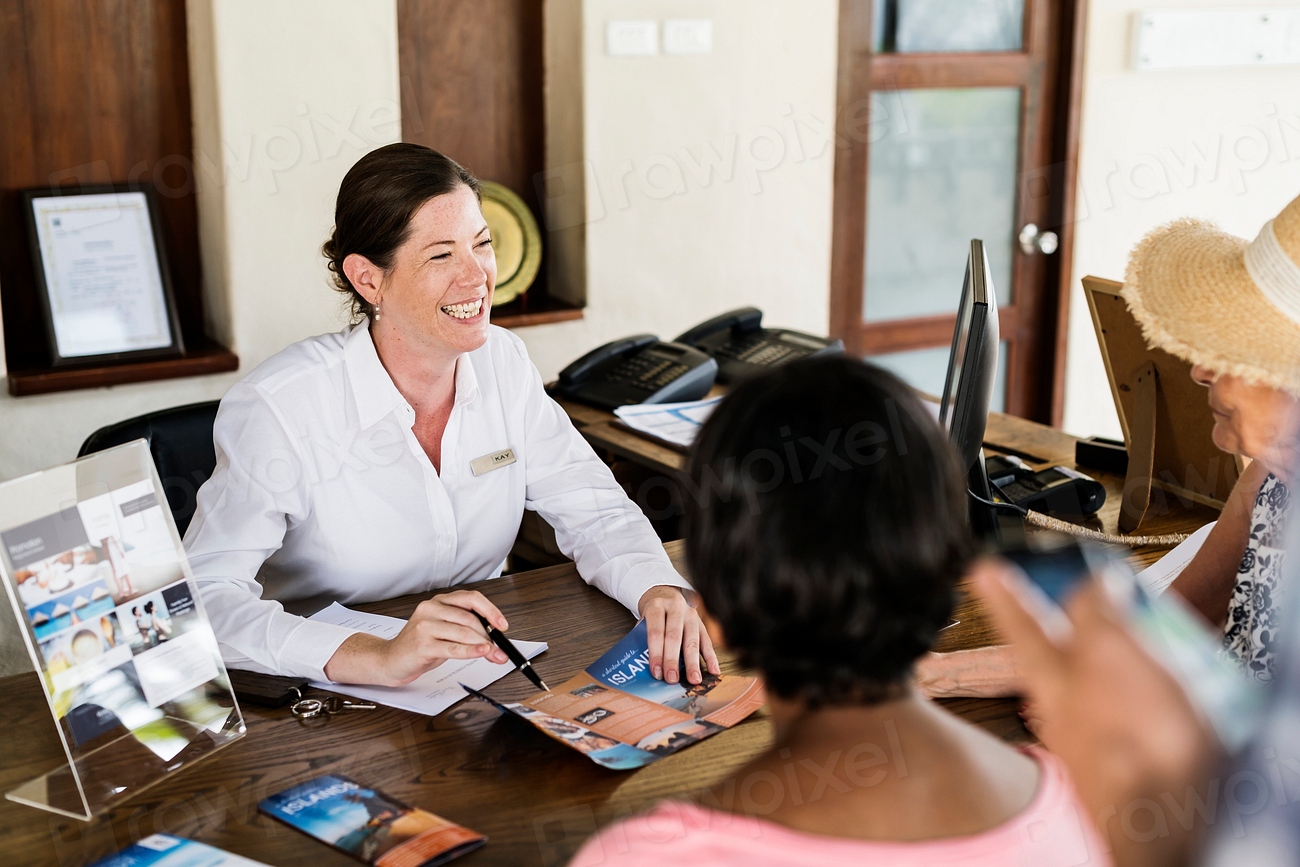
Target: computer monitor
[(968, 386)]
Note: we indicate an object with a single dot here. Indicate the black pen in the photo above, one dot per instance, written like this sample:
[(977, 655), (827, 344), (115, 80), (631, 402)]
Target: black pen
[(508, 647)]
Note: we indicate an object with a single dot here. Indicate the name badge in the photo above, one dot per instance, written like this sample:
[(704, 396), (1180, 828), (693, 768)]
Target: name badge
[(494, 461)]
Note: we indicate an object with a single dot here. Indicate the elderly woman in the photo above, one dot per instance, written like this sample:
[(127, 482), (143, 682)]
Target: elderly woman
[(1232, 309), (398, 455)]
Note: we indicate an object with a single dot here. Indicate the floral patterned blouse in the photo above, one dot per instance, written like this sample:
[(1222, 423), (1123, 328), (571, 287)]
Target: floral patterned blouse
[(1250, 636)]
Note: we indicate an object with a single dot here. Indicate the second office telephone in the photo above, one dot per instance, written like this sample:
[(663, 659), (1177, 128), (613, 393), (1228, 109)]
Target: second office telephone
[(743, 347)]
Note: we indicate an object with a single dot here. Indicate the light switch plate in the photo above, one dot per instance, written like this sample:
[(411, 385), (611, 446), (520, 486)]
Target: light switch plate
[(632, 38), (688, 36)]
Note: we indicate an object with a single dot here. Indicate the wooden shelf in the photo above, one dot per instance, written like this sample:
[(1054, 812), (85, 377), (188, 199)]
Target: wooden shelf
[(207, 358), (534, 309)]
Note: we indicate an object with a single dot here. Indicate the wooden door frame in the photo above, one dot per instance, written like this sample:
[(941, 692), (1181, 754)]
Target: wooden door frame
[(1042, 322)]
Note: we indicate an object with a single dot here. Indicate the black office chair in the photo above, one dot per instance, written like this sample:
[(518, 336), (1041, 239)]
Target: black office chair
[(180, 440)]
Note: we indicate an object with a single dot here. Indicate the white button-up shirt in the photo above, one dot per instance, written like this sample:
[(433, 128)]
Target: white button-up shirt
[(322, 492)]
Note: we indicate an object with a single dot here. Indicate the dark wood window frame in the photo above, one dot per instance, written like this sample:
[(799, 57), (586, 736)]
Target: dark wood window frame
[(1045, 196)]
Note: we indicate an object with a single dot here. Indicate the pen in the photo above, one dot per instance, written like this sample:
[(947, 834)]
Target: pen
[(511, 651)]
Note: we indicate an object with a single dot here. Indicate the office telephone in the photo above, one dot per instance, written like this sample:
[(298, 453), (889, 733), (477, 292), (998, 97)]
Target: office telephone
[(637, 369), (743, 347)]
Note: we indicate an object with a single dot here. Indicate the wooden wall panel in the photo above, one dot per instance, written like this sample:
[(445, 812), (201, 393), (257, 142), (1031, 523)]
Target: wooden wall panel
[(471, 76), (94, 91)]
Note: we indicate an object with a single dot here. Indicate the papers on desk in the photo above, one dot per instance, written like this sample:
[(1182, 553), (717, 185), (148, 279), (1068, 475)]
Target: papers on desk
[(432, 692), (1160, 574), (674, 424)]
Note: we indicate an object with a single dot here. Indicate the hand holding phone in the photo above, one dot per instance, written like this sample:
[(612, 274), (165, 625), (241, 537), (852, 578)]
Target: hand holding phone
[(1120, 721), (1167, 627)]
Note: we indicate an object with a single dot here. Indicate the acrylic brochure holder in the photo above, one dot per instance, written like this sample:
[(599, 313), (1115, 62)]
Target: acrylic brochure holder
[(106, 605)]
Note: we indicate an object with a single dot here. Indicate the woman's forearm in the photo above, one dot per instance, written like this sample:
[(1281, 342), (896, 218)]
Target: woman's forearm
[(1207, 582), (357, 660), (985, 672)]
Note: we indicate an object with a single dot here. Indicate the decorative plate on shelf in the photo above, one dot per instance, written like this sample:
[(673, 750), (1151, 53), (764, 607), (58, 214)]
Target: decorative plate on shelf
[(515, 238)]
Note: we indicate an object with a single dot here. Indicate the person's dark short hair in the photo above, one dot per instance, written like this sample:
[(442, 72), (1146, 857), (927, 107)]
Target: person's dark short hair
[(825, 528)]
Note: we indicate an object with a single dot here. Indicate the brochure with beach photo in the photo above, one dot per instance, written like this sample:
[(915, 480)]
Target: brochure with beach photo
[(369, 825), (618, 715)]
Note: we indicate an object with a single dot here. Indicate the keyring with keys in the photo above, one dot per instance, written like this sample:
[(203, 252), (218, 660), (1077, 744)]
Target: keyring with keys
[(308, 708)]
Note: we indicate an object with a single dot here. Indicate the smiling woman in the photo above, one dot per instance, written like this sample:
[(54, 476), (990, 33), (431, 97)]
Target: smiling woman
[(351, 466)]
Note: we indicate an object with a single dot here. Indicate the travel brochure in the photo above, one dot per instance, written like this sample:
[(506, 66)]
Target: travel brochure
[(164, 850), (123, 645), (370, 825), (618, 715)]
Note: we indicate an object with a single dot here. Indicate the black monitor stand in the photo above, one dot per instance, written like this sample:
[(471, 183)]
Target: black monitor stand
[(983, 518), (990, 525)]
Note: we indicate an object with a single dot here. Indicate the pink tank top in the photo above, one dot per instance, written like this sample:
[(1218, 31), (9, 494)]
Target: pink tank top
[(1053, 831)]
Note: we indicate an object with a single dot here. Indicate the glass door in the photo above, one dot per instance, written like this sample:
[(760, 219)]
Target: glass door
[(965, 133)]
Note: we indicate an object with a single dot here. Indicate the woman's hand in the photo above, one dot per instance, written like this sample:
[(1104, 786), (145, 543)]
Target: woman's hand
[(1115, 716), (441, 628), (985, 672), (675, 632)]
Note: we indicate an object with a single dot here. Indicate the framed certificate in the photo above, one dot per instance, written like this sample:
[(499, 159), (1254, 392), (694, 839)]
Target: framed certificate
[(101, 274)]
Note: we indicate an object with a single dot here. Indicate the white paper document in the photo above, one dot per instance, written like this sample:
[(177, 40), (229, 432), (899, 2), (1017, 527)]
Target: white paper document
[(1160, 574), (432, 692), (677, 423), (102, 274)]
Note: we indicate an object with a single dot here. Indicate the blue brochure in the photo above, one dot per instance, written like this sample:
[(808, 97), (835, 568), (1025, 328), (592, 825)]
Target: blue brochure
[(163, 850), (619, 716), (368, 824)]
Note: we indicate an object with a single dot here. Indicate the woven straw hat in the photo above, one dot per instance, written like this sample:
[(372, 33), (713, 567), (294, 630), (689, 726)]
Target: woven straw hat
[(1217, 301)]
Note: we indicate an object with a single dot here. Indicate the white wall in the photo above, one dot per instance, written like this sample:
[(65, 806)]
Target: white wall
[(668, 243), (274, 83), (1141, 133), (286, 97)]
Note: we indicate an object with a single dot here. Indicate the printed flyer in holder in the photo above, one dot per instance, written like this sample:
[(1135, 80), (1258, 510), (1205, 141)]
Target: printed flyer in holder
[(98, 580), (621, 717)]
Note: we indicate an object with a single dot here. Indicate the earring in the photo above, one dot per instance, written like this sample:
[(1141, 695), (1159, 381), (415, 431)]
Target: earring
[(376, 311)]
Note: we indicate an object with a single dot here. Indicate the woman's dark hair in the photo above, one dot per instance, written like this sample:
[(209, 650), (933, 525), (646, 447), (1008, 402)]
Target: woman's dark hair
[(825, 528), (378, 197)]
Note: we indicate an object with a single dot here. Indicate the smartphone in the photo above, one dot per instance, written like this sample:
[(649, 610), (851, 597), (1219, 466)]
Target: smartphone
[(1169, 629)]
